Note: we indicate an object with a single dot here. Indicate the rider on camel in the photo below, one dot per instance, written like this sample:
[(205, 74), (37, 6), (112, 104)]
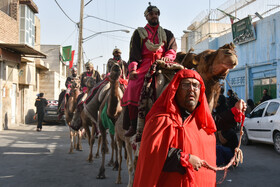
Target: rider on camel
[(147, 45)]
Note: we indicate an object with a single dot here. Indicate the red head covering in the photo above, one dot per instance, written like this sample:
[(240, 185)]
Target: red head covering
[(166, 103)]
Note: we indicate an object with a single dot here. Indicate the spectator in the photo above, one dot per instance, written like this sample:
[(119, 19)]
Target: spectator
[(40, 104), (251, 106), (231, 99), (265, 96)]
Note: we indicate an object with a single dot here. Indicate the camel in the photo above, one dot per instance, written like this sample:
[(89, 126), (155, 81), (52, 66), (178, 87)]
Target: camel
[(70, 106), (212, 65), (113, 111)]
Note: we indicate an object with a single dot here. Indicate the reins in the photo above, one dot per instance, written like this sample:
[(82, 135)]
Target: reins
[(238, 155)]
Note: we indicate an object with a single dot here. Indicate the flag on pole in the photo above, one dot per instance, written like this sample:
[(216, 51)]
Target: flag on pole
[(232, 18), (72, 59), (66, 52)]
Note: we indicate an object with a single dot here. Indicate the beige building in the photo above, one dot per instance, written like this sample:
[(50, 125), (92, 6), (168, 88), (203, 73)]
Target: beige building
[(23, 67)]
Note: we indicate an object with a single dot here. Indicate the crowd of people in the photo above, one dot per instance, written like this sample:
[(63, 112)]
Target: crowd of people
[(180, 131)]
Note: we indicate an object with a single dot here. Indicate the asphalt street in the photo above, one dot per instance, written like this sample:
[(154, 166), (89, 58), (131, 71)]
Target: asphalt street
[(30, 158)]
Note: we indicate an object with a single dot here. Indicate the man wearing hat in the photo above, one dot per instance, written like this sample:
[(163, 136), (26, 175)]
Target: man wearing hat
[(147, 45), (73, 76), (90, 72), (117, 59)]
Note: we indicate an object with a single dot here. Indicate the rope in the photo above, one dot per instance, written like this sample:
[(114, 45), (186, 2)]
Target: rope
[(236, 159)]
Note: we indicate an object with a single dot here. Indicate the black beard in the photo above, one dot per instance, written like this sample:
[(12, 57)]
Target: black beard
[(74, 75), (153, 23), (117, 57)]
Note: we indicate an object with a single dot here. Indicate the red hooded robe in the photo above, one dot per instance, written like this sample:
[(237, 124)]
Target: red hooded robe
[(164, 128)]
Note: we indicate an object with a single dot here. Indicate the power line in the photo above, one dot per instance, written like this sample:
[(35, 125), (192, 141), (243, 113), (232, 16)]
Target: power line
[(88, 2), (110, 21), (64, 12)]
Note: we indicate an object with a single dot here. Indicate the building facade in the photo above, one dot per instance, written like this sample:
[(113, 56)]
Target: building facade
[(23, 65), (259, 60)]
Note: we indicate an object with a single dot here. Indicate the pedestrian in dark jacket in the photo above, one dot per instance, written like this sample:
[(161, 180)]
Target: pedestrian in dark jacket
[(265, 96), (40, 104)]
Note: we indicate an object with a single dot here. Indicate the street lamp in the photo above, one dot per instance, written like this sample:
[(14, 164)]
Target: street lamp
[(95, 58), (95, 34)]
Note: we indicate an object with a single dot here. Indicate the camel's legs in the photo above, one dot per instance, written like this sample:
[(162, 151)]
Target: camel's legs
[(71, 141), (104, 148), (111, 162), (92, 139), (129, 162), (119, 145), (98, 146)]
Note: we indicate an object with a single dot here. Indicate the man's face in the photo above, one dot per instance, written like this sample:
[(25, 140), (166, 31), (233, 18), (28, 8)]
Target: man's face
[(152, 18), (117, 55), (89, 69), (188, 93), (264, 92), (74, 73)]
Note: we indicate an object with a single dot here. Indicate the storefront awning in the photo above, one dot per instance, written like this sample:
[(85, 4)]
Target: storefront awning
[(23, 50)]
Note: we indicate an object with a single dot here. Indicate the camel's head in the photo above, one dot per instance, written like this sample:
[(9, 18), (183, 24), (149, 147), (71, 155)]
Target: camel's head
[(217, 63), (115, 72), (75, 84), (90, 82)]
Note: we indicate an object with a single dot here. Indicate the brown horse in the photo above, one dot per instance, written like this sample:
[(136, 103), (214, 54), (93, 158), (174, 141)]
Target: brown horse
[(70, 107)]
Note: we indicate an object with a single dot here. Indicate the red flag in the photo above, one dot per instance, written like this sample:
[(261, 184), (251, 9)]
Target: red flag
[(72, 59)]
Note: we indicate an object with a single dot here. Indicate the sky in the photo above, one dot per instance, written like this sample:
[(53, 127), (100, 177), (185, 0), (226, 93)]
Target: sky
[(58, 29)]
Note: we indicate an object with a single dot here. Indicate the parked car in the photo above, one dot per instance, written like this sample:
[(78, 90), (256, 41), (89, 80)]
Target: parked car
[(263, 124), (51, 114)]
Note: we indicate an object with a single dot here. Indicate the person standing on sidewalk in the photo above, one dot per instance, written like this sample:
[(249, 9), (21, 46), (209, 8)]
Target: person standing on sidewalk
[(40, 104)]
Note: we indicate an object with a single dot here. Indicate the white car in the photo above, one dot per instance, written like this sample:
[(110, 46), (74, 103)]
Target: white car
[(263, 124)]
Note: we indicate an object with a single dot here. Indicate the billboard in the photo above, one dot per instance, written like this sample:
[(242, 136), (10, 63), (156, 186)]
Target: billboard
[(243, 31)]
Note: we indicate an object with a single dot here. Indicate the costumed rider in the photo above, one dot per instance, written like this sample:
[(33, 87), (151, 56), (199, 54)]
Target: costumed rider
[(147, 45), (90, 72), (68, 82), (117, 59)]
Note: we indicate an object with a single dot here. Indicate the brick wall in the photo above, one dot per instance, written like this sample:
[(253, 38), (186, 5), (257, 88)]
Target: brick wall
[(9, 29)]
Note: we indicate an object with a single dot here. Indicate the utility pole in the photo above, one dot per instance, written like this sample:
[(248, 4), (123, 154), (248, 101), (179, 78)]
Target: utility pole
[(80, 47)]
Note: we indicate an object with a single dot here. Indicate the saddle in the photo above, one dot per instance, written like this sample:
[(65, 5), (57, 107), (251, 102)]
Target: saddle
[(155, 81)]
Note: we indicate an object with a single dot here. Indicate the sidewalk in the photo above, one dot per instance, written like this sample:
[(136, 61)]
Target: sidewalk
[(31, 158)]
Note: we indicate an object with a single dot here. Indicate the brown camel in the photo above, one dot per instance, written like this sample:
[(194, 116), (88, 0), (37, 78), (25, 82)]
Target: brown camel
[(70, 106), (87, 112), (113, 111), (213, 65)]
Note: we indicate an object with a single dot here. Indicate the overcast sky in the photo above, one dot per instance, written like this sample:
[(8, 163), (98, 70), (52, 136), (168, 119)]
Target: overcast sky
[(58, 29)]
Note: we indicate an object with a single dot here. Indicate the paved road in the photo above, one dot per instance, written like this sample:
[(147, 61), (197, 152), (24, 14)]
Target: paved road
[(261, 167), (30, 158)]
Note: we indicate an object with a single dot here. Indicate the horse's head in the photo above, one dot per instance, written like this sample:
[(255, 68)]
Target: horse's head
[(115, 72)]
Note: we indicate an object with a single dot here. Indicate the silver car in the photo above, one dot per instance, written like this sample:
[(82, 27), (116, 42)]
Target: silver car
[(263, 124)]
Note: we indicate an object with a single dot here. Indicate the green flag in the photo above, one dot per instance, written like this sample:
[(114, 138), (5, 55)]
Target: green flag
[(66, 51)]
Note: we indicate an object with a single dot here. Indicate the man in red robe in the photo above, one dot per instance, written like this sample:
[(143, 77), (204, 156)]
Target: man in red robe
[(178, 136), (147, 45)]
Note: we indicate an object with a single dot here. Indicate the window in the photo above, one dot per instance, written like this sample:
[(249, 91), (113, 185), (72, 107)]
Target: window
[(258, 110), (272, 109), (27, 25)]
